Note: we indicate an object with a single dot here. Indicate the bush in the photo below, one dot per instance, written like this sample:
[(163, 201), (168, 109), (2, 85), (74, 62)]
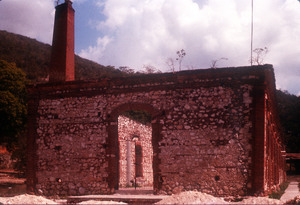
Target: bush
[(280, 192)]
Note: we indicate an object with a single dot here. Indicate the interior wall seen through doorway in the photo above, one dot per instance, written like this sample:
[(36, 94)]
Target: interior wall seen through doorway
[(135, 137)]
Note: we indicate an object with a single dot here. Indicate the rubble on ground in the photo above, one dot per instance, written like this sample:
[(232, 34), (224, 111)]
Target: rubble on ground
[(296, 200), (101, 202), (193, 197), (259, 200), (188, 197), (26, 199)]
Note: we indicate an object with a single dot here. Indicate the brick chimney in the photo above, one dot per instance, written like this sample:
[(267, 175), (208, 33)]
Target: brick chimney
[(62, 65)]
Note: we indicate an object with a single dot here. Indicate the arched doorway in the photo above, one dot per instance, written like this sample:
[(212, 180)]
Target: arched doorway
[(135, 150), (120, 169)]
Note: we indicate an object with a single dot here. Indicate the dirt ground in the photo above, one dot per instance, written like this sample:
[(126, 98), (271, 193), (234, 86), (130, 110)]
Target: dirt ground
[(11, 183), (189, 197), (13, 191), (192, 197)]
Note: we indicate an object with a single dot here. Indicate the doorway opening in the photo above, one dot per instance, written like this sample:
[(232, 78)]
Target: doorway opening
[(135, 150)]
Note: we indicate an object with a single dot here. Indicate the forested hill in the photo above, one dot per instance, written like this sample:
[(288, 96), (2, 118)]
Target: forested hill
[(33, 57), (289, 113)]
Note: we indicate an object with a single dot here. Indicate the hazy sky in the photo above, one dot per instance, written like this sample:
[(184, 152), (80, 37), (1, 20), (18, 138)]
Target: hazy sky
[(137, 33)]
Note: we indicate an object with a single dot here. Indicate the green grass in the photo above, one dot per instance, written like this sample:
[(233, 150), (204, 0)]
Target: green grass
[(280, 192)]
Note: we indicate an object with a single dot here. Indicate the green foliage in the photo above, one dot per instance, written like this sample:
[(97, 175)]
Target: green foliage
[(19, 151), (289, 114), (139, 116), (33, 58), (28, 54), (149, 69), (13, 108)]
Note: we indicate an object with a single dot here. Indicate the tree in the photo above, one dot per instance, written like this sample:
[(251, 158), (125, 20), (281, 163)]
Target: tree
[(13, 109), (140, 116), (149, 69), (126, 69), (259, 56), (289, 114), (170, 62), (214, 62), (180, 57)]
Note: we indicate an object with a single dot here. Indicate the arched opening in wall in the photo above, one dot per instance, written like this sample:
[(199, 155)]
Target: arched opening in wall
[(135, 150)]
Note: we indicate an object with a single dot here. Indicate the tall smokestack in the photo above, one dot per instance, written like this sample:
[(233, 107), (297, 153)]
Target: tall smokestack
[(62, 65)]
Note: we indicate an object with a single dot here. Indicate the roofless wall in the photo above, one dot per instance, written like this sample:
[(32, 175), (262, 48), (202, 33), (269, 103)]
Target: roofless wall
[(213, 130)]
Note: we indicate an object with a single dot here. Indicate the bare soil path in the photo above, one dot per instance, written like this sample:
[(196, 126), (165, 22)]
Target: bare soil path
[(292, 190), (13, 189), (11, 183)]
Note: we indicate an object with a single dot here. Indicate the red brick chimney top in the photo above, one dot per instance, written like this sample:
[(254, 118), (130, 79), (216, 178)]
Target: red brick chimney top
[(62, 66)]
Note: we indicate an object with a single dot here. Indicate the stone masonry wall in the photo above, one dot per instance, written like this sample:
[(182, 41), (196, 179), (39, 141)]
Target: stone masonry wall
[(127, 129), (201, 140), (71, 147), (274, 162), (203, 125), (208, 134)]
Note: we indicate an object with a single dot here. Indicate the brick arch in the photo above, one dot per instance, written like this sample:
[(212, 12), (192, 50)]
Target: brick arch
[(113, 144)]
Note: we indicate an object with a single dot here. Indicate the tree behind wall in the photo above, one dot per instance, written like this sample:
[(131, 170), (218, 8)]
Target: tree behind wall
[(289, 113), (13, 109)]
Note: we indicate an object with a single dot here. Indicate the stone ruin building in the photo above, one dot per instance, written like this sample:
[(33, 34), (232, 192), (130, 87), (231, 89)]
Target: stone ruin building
[(211, 130)]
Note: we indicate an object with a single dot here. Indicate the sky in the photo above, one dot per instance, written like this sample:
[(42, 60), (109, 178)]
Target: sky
[(143, 33)]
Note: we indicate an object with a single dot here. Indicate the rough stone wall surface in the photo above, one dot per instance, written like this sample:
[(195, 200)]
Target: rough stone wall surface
[(203, 128), (275, 163), (207, 141), (206, 136), (127, 129), (71, 147)]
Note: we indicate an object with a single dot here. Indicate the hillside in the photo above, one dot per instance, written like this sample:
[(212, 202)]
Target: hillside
[(33, 57), (289, 114)]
